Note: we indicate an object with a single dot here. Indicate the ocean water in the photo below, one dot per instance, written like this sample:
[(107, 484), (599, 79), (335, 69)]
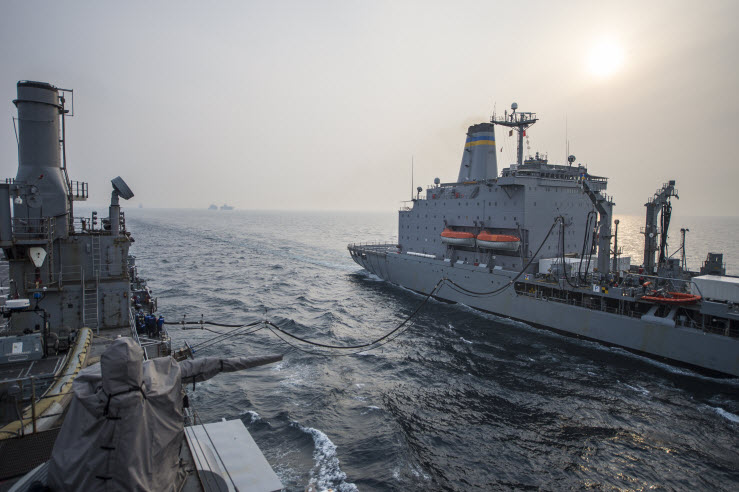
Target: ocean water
[(460, 401)]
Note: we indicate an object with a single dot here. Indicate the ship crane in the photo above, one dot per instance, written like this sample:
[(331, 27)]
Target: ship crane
[(604, 206), (659, 203), (519, 121)]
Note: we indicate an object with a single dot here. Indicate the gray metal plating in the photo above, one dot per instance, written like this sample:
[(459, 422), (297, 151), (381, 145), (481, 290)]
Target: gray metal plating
[(524, 201)]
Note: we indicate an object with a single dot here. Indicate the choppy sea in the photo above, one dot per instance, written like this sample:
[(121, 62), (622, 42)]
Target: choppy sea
[(460, 401)]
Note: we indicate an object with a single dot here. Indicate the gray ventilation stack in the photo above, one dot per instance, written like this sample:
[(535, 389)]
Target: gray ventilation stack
[(42, 185), (479, 161), (75, 271)]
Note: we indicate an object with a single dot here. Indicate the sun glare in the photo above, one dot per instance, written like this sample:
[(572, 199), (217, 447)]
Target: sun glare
[(606, 58)]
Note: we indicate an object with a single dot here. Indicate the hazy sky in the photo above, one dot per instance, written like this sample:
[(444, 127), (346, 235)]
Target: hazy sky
[(322, 105)]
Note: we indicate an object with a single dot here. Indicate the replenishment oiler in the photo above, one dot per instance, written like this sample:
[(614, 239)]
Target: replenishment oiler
[(92, 397), (538, 243)]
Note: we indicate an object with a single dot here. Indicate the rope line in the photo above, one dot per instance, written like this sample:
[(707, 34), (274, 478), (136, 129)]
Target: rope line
[(183, 322), (273, 326), (284, 335), (225, 335)]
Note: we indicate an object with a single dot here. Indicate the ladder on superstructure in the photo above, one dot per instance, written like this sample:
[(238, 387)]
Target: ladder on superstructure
[(90, 293)]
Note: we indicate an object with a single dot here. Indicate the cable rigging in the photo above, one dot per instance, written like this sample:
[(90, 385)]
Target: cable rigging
[(285, 335)]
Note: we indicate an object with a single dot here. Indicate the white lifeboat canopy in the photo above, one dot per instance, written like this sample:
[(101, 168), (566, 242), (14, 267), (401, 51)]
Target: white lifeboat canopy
[(500, 242), (457, 238)]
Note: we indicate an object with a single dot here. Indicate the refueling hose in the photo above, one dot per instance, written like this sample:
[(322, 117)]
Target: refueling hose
[(387, 337)]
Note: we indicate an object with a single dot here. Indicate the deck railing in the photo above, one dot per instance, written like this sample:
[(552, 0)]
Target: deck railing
[(37, 229)]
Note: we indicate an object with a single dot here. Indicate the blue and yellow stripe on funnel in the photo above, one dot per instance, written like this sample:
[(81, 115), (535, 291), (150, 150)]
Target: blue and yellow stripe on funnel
[(474, 141)]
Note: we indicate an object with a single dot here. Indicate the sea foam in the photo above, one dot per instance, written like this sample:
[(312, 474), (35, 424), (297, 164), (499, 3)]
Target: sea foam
[(727, 415), (329, 473)]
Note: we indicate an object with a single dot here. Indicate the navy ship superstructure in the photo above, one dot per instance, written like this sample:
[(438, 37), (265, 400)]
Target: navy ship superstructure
[(537, 242), (75, 267), (79, 326), (69, 286)]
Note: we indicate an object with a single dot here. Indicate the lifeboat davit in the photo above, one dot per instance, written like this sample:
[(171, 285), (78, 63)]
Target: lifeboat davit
[(503, 242), (672, 298), (457, 238)]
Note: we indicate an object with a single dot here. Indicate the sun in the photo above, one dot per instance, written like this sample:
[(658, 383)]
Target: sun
[(606, 58)]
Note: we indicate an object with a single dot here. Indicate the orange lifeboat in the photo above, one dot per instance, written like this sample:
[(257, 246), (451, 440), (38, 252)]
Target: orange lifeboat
[(672, 298), (457, 238), (502, 242)]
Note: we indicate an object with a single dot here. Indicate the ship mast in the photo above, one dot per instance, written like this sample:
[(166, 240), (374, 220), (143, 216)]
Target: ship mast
[(518, 121)]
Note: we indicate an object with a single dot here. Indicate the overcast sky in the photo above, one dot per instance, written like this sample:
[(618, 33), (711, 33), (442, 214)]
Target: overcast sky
[(322, 105)]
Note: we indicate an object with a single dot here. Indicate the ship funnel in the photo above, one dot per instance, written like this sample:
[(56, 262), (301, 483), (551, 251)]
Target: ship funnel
[(479, 161), (40, 174)]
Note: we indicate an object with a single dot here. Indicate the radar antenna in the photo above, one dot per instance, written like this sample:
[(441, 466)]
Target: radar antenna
[(120, 189), (519, 121)]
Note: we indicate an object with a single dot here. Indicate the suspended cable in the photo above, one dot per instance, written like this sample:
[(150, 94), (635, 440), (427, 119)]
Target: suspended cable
[(208, 343), (222, 335), (278, 331), (588, 238), (201, 322), (386, 338), (363, 345)]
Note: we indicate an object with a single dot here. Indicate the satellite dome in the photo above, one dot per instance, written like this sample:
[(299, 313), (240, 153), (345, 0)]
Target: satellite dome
[(514, 106), (437, 181)]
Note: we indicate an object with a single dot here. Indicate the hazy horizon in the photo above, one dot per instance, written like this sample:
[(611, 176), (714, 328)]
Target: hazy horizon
[(135, 206), (323, 105)]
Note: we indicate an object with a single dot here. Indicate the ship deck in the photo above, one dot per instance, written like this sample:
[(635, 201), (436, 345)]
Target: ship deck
[(703, 335)]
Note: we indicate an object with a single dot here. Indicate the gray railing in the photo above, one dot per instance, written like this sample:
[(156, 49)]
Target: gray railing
[(686, 322), (79, 190), (374, 246), (40, 229)]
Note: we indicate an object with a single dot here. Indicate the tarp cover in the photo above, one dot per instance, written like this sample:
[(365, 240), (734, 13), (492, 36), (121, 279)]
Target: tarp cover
[(125, 424)]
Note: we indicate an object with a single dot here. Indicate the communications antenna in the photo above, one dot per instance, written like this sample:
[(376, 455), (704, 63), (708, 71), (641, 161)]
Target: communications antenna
[(518, 121)]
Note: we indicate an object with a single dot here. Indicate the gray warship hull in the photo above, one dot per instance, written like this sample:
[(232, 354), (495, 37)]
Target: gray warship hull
[(650, 335), (537, 243)]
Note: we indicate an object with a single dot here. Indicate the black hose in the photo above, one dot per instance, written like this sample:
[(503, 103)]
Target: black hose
[(363, 345), (213, 323), (589, 234), (666, 213), (276, 330)]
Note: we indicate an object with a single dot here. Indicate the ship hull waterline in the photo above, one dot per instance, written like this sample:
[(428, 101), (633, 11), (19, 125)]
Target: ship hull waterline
[(656, 339)]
